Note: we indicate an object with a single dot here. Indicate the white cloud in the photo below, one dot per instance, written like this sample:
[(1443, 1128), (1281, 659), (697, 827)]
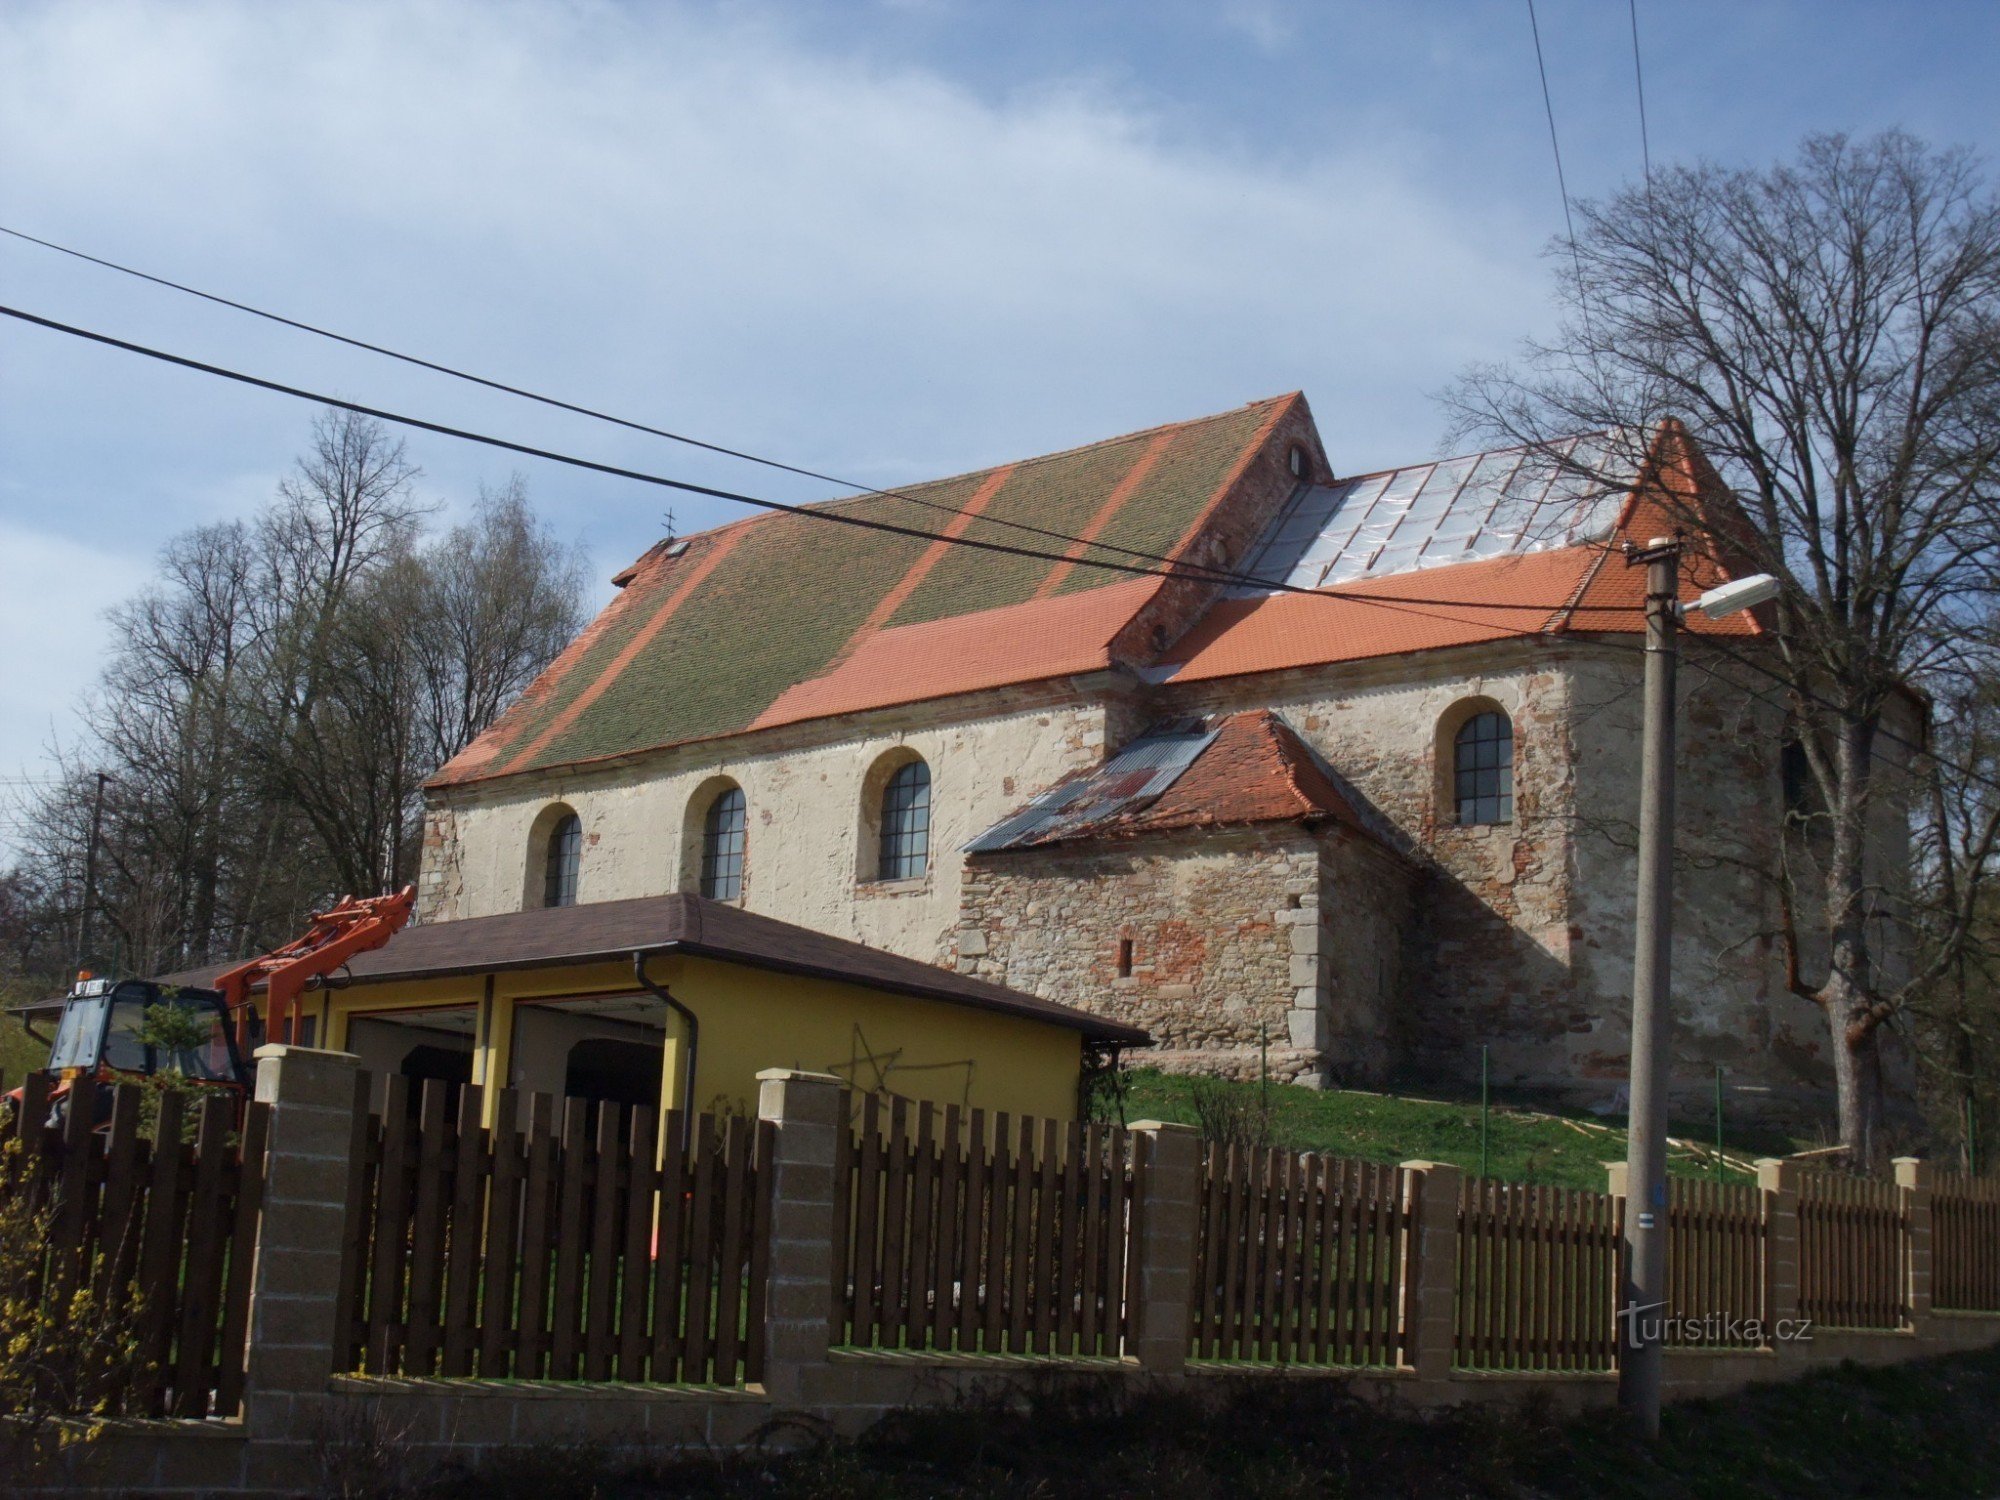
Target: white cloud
[(53, 595), (689, 216)]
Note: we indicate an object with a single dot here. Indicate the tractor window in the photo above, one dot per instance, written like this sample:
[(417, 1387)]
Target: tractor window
[(78, 1033), (123, 1051), (205, 1057)]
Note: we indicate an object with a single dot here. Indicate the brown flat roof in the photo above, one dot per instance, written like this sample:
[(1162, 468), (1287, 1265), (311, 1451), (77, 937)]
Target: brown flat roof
[(599, 931)]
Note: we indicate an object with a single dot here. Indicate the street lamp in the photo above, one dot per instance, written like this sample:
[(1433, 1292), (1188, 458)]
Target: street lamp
[(1642, 1354)]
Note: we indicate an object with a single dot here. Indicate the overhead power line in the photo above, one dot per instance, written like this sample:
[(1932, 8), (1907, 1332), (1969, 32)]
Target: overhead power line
[(1422, 608), (564, 405), (1639, 78), (1173, 568), (578, 409)]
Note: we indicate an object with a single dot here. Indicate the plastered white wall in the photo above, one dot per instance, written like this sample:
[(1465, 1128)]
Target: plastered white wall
[(810, 811)]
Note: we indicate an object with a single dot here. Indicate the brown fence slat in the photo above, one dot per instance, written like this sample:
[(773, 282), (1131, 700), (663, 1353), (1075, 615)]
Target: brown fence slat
[(635, 1262), (245, 1213), (948, 1283), (540, 1196), (160, 1253), (385, 1280), (701, 1257), (498, 1297), (201, 1283), (427, 1244), (895, 1226), (735, 1247), (867, 1253), (470, 1168), (921, 1272), (1020, 1241), (607, 1197), (363, 1157), (567, 1249), (1047, 1210), (670, 1256)]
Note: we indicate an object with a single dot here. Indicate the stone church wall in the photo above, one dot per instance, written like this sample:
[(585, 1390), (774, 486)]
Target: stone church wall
[(1489, 940), (1249, 949)]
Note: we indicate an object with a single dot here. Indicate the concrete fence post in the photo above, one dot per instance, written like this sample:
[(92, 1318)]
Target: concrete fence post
[(1165, 1214), (1430, 1203), (1779, 1179), (809, 1111), (302, 1237), (1914, 1178)]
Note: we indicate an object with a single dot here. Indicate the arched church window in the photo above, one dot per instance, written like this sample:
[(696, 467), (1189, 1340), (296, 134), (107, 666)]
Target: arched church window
[(562, 859), (906, 823), (723, 833), (1483, 769)]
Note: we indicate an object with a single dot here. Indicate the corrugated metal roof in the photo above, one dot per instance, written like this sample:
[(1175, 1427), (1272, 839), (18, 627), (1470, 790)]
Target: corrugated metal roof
[(1133, 777), (1481, 505)]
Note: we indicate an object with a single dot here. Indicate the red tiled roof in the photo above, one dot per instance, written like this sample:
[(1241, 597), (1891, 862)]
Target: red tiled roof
[(783, 617), (1257, 770), (1276, 631), (1029, 642), (780, 619), (1248, 768)]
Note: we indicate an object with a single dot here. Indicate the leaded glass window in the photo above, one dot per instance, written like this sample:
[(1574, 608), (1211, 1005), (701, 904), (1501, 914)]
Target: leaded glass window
[(1483, 769), (906, 823), (722, 838), (565, 853)]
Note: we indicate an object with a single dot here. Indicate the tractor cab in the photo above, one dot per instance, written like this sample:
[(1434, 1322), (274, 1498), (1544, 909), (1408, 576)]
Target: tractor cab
[(113, 1030)]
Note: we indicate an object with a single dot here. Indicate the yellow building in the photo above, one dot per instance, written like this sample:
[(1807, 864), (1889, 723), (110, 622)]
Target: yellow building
[(613, 1000)]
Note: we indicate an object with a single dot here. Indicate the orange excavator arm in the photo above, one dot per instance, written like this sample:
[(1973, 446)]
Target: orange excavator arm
[(335, 936)]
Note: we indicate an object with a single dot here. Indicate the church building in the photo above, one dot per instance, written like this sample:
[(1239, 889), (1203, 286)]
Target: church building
[(1331, 776)]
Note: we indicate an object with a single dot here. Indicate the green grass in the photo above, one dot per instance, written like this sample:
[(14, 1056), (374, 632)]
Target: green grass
[(1540, 1145), (1923, 1429), (19, 1052)]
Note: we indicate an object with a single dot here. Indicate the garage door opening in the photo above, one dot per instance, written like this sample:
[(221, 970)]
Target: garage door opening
[(604, 1049), (418, 1045)]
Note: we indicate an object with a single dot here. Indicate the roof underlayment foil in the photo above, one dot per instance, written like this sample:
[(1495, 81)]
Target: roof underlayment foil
[(1482, 505)]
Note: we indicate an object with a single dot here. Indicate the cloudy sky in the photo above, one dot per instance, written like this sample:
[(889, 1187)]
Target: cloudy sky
[(887, 241)]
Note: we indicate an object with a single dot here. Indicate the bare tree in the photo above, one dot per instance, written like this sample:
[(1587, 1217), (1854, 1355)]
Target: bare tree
[(273, 704), (1826, 331), (499, 598)]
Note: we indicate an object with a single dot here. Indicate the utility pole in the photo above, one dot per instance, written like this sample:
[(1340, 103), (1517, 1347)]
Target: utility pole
[(1642, 1315), (1642, 1357), (90, 873)]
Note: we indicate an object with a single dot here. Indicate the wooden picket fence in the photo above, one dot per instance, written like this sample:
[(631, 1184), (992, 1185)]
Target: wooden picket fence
[(956, 1232), (1853, 1233), (1538, 1275), (1717, 1262), (594, 1247), (160, 1227), (1965, 1243), (1300, 1258)]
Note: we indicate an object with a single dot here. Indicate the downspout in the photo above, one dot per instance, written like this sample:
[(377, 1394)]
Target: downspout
[(693, 1023)]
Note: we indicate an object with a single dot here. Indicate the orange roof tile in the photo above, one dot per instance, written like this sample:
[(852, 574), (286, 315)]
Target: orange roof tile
[(1257, 770), (1029, 642), (1276, 631)]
